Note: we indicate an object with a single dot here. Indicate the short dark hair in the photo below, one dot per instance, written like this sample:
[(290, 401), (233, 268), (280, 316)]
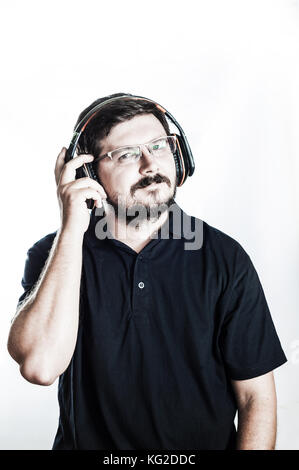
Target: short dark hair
[(113, 113)]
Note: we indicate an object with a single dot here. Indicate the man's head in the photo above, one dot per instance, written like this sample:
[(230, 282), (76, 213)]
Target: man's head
[(146, 182)]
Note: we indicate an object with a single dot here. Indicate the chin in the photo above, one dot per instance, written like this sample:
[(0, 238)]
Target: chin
[(148, 200), (153, 197)]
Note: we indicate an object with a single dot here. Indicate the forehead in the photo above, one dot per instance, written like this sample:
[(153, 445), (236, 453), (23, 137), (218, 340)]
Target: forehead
[(138, 130)]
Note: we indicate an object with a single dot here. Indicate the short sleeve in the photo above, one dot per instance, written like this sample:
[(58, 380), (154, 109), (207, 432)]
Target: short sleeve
[(36, 258), (249, 342)]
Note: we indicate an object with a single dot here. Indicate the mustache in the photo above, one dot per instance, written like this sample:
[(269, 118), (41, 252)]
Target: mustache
[(149, 180)]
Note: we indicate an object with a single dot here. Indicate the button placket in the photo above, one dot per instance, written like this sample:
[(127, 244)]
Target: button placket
[(140, 303)]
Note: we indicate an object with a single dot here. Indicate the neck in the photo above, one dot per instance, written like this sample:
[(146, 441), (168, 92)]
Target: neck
[(136, 235)]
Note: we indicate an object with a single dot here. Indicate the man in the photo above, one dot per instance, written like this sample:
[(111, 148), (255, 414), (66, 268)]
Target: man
[(156, 346)]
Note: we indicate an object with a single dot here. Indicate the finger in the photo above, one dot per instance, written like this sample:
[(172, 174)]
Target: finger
[(89, 193), (89, 183), (68, 172), (59, 163)]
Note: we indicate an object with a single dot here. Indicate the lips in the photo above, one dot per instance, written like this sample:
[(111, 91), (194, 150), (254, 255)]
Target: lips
[(152, 185)]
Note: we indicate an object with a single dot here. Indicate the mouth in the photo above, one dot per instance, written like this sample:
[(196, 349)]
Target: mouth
[(152, 185)]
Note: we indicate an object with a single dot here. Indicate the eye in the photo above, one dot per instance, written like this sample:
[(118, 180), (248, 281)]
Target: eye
[(125, 156), (159, 144)]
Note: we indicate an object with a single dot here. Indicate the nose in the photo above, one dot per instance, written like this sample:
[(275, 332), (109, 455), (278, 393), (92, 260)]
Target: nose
[(148, 163)]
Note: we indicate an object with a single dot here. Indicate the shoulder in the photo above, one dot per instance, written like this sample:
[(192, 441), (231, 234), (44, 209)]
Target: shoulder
[(43, 246), (227, 250), (213, 241), (217, 239), (35, 260)]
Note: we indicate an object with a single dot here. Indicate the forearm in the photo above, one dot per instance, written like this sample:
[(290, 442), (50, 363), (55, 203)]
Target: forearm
[(44, 331), (257, 426)]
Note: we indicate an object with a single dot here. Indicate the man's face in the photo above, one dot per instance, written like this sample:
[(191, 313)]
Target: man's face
[(133, 184)]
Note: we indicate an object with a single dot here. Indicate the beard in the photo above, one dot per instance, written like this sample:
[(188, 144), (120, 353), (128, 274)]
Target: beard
[(150, 211)]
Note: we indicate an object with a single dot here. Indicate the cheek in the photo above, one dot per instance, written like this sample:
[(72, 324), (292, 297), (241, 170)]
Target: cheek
[(104, 175), (171, 170), (118, 183)]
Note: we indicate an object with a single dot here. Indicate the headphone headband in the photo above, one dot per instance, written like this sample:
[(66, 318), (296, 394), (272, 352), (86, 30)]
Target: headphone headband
[(88, 116)]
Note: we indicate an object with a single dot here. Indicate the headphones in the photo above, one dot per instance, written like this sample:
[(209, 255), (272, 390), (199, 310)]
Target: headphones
[(183, 157)]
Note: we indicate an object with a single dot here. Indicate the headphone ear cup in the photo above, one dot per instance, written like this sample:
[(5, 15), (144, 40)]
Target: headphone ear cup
[(81, 173), (178, 169), (92, 171), (184, 153), (179, 162)]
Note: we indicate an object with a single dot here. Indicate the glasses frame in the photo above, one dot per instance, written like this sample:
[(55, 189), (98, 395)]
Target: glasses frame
[(109, 154)]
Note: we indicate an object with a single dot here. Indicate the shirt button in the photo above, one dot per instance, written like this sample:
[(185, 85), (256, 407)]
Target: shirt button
[(141, 285)]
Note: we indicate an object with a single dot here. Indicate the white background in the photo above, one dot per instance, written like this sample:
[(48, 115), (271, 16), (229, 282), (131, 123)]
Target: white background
[(229, 72)]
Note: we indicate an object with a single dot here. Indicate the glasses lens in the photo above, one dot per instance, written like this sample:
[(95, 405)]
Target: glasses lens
[(125, 155), (163, 146), (159, 147)]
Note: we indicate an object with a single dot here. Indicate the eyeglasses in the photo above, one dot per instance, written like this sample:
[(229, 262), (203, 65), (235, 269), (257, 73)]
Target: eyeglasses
[(160, 147)]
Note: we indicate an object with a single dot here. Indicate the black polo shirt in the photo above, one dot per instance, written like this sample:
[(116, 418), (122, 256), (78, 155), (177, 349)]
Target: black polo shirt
[(161, 335)]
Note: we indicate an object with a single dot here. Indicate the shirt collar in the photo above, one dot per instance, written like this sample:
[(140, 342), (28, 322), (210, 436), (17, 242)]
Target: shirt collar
[(179, 223)]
